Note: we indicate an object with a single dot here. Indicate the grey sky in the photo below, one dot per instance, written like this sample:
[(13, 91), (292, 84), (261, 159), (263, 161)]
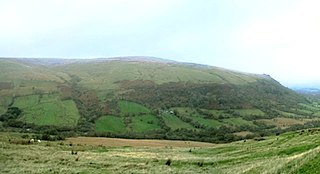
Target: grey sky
[(276, 37)]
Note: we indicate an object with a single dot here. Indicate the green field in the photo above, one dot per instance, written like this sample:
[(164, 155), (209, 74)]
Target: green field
[(127, 107), (110, 124), (248, 112), (310, 107), (238, 122), (218, 113), (145, 123), (305, 112), (215, 123), (288, 114), (210, 123), (26, 102), (174, 122), (48, 110), (289, 153)]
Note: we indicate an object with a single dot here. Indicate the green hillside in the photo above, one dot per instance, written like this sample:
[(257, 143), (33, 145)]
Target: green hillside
[(147, 98), (47, 110), (108, 75), (110, 124)]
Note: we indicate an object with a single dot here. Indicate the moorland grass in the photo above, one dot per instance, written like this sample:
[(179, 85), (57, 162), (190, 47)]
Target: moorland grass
[(105, 75), (291, 152)]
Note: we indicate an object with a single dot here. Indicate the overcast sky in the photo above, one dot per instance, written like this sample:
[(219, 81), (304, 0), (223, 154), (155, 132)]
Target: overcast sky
[(276, 37)]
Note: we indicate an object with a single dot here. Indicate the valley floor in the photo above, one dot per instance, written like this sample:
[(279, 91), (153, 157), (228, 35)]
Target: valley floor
[(294, 152)]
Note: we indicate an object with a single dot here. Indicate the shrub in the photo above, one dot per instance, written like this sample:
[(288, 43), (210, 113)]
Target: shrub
[(168, 163), (25, 136)]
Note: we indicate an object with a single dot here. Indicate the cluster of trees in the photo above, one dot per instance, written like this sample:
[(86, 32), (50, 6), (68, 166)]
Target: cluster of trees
[(261, 94), (11, 114), (10, 118)]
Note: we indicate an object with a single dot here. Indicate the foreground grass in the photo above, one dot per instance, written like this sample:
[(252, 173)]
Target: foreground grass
[(293, 152)]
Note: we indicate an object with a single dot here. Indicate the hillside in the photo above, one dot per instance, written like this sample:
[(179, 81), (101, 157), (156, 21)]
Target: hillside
[(142, 97), (290, 153)]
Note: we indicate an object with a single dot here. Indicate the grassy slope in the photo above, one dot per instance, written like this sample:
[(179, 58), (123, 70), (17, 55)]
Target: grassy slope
[(174, 122), (110, 124), (29, 81), (244, 112), (145, 123), (190, 113), (27, 78), (206, 122), (142, 121), (104, 75), (48, 110), (12, 70), (218, 113), (238, 122), (127, 107), (288, 153)]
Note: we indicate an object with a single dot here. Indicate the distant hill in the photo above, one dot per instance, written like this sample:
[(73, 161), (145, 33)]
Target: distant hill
[(313, 93), (146, 97), (308, 90)]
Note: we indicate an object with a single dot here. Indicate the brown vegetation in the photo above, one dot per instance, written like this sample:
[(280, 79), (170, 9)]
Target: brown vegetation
[(6, 85), (136, 143), (282, 122)]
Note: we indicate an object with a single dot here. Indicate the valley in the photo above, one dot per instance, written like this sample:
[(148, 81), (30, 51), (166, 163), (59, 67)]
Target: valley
[(159, 116), (136, 97)]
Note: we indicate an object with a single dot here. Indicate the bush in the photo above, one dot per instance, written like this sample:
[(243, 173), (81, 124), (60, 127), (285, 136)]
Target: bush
[(168, 163), (25, 136), (49, 137), (12, 113)]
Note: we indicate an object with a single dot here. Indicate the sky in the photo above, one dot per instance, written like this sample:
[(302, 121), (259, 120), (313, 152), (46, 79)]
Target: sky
[(276, 37)]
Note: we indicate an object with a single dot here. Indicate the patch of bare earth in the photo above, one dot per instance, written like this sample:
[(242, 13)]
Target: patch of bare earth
[(282, 122), (118, 142), (243, 133)]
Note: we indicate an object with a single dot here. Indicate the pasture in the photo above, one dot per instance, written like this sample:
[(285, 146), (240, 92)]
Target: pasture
[(110, 124), (174, 122), (145, 123), (127, 107), (48, 110)]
